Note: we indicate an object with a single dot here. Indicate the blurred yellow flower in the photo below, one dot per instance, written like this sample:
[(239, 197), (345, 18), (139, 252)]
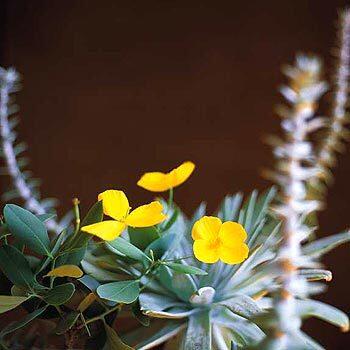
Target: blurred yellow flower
[(160, 182), (116, 205), (214, 240)]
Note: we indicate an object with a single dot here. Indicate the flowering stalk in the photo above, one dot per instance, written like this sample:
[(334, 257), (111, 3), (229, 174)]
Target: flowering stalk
[(336, 132), (295, 168), (8, 83)]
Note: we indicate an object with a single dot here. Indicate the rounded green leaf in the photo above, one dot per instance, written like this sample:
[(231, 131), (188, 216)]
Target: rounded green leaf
[(9, 302), (60, 294), (27, 228), (123, 246), (23, 322), (124, 292), (16, 267), (191, 270)]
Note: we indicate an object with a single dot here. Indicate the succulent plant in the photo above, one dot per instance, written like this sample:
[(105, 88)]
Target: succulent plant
[(226, 306)]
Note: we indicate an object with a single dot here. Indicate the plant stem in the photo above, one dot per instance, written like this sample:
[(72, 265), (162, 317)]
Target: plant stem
[(101, 317), (171, 198)]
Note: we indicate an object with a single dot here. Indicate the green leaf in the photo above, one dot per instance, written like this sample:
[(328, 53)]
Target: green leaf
[(113, 340), (161, 245), (98, 273), (66, 323), (56, 245), (328, 313), (244, 331), (72, 257), (123, 246), (26, 227), (142, 237), (242, 305), (191, 270), (94, 215), (198, 334), (23, 322), (158, 337), (60, 294), (183, 286), (81, 239), (125, 292), (9, 302), (324, 245), (15, 267), (169, 223)]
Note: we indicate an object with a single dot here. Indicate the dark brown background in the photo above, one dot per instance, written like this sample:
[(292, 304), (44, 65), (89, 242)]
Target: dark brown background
[(116, 88)]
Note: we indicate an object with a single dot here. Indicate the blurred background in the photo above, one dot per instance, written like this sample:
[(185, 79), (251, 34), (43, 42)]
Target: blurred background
[(112, 89)]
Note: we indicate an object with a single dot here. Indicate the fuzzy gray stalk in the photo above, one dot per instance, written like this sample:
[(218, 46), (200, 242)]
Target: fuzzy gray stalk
[(8, 84), (296, 165), (336, 132)]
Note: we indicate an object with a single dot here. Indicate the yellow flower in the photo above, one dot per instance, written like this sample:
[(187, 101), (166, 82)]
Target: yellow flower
[(160, 182), (116, 205), (214, 240)]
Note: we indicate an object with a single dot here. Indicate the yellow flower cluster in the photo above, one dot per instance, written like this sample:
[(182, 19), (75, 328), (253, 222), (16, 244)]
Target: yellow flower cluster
[(213, 240)]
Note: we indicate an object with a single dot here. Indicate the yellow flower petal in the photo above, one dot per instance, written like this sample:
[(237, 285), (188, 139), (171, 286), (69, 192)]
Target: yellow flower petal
[(205, 252), (232, 234), (115, 204), (160, 182), (233, 255), (66, 271), (106, 230), (206, 228), (180, 174), (146, 215), (155, 182)]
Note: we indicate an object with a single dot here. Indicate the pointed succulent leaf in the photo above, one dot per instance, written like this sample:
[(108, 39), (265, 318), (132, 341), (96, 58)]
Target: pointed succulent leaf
[(328, 313), (324, 245), (156, 302), (168, 331), (183, 286), (198, 334), (316, 274), (242, 305)]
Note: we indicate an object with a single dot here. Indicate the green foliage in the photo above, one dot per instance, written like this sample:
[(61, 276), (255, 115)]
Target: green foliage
[(8, 303), (16, 267), (125, 292), (60, 294), (28, 229)]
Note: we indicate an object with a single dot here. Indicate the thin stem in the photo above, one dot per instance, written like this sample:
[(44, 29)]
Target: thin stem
[(171, 198), (76, 215), (102, 316)]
